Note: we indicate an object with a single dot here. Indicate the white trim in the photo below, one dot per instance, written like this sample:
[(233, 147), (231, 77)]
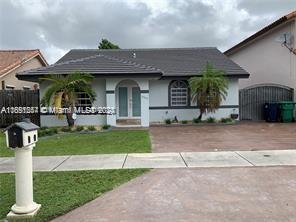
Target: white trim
[(9, 86), (127, 126), (26, 87), (10, 70), (181, 93)]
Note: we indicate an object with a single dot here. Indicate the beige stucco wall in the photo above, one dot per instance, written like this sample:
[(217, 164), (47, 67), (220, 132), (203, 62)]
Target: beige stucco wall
[(10, 78), (267, 61)]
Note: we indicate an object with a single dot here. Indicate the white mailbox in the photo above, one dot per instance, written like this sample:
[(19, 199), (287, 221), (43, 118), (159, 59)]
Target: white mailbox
[(22, 137), (21, 134)]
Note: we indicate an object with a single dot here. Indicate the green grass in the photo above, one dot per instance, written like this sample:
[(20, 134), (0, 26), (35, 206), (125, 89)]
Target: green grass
[(60, 192), (127, 141)]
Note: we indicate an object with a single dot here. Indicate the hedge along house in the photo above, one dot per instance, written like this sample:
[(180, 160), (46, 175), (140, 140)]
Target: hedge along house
[(143, 85)]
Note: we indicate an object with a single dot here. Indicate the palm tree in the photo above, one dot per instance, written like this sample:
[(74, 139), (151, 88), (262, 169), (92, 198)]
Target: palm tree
[(208, 89), (61, 93)]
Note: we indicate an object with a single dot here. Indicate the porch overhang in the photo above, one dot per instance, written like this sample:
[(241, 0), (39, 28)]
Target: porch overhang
[(36, 78)]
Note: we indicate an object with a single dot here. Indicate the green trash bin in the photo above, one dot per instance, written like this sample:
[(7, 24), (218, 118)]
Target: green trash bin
[(287, 111)]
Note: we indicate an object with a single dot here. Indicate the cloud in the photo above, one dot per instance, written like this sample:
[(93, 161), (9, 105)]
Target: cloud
[(268, 7), (59, 25)]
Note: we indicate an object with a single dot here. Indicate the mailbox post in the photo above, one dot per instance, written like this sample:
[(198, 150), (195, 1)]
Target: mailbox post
[(22, 137)]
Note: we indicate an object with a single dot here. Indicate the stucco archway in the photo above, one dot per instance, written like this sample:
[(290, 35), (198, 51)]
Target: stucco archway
[(111, 91), (128, 102)]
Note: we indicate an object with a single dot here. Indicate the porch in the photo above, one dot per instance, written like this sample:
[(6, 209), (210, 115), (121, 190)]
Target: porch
[(130, 98)]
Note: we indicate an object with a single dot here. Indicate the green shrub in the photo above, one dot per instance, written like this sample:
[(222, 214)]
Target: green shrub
[(50, 132), (225, 120), (66, 129), (91, 128), (184, 121), (43, 128), (47, 132), (211, 120), (79, 128), (54, 130), (168, 121), (196, 120), (41, 133), (105, 127)]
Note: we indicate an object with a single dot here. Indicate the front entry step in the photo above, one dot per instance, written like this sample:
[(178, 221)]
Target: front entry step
[(123, 122)]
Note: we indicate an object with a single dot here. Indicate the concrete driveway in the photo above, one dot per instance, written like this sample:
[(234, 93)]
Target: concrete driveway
[(209, 195), (242, 136)]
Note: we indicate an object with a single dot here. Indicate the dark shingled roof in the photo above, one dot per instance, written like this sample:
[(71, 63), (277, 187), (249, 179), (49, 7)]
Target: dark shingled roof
[(174, 62), (25, 125), (94, 64)]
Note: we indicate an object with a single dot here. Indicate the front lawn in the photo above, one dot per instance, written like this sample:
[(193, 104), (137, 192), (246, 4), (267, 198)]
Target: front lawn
[(60, 192), (128, 141)]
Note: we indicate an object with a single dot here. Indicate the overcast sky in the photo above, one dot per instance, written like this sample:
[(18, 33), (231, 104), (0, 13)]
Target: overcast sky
[(56, 26)]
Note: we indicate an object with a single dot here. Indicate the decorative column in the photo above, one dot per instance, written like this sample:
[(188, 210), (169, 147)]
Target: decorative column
[(144, 85), (110, 100), (145, 108), (24, 206)]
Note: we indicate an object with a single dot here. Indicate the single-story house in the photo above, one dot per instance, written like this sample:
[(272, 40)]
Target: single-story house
[(269, 55), (13, 61), (143, 85)]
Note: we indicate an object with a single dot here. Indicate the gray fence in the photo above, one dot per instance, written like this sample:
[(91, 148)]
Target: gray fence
[(252, 99), (17, 104)]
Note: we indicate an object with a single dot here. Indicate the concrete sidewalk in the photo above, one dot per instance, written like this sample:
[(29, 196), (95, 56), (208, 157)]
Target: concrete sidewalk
[(158, 160)]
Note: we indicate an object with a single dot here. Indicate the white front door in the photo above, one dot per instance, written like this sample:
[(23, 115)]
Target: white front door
[(129, 102)]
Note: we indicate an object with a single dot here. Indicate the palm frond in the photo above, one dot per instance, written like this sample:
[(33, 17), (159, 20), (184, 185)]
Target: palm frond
[(57, 103), (63, 89), (209, 89), (50, 92)]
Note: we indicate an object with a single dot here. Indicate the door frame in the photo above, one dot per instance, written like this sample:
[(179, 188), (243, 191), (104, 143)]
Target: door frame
[(129, 102)]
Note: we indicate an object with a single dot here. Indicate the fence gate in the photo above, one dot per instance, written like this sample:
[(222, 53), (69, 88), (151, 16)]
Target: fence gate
[(12, 100), (252, 99)]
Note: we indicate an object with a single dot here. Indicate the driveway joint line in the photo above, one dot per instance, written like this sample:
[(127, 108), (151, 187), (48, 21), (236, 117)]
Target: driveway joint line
[(60, 163), (124, 161), (183, 160), (244, 158)]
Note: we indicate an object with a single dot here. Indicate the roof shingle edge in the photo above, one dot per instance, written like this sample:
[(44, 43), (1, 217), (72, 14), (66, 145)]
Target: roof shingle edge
[(137, 65)]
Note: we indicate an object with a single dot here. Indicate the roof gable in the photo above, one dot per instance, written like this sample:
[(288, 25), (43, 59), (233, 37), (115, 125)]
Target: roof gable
[(261, 32), (11, 59)]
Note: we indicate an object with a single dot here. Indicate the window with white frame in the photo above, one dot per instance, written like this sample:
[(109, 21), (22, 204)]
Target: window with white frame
[(83, 100), (179, 93)]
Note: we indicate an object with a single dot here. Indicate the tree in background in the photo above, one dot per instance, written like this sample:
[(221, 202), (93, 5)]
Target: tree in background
[(106, 44), (208, 89), (61, 93)]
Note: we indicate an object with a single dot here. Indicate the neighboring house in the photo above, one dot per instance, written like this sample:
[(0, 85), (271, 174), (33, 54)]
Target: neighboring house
[(144, 85), (13, 61), (269, 56)]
